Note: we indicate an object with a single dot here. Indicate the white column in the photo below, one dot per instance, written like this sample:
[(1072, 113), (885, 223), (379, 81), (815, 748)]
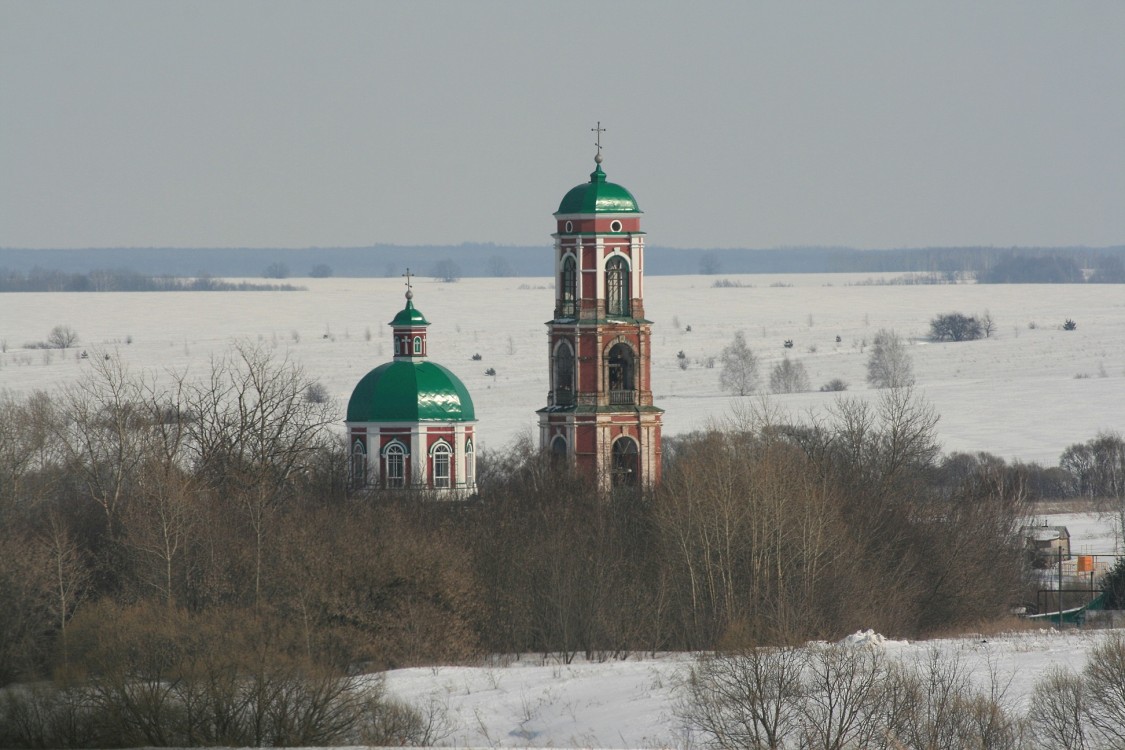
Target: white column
[(458, 467), (419, 459), (374, 460)]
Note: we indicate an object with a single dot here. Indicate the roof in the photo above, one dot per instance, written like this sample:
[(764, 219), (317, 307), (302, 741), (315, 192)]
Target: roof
[(410, 391), (408, 316), (598, 197)]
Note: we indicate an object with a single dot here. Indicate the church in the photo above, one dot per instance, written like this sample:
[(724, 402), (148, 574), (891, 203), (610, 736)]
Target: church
[(410, 422)]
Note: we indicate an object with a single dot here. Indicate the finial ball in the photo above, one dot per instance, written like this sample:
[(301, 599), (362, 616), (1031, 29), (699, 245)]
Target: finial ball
[(598, 159), (409, 294)]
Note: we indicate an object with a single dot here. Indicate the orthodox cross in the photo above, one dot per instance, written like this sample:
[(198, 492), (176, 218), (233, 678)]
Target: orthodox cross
[(599, 130), (407, 275)]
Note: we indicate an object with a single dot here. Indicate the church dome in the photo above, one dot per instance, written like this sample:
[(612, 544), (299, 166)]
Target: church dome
[(598, 197), (410, 391), (409, 315)]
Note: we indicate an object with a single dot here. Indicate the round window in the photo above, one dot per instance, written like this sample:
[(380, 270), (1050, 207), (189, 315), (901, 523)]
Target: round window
[(569, 226), (615, 226)]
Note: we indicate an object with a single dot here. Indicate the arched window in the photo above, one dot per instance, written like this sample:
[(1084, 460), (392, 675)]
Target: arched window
[(558, 451), (568, 288), (417, 344), (394, 465), (625, 462), (470, 464), (564, 374), (439, 456), (359, 464), (617, 286), (620, 369)]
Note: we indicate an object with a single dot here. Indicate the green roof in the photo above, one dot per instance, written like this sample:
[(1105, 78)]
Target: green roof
[(598, 197), (408, 316), (410, 391)]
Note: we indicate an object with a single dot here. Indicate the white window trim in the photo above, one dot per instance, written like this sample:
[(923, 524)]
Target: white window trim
[(443, 448)]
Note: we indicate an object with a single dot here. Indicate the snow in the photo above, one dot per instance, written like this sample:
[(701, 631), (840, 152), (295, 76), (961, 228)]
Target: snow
[(537, 702), (1023, 393)]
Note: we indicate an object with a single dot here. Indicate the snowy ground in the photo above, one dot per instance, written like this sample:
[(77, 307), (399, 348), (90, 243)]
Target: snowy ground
[(629, 704), (1026, 392)]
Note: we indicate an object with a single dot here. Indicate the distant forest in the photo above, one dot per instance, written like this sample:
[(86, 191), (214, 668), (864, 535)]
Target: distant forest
[(40, 280), (450, 262)]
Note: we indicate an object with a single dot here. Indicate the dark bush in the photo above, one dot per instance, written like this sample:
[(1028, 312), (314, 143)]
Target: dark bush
[(1113, 586), (955, 327)]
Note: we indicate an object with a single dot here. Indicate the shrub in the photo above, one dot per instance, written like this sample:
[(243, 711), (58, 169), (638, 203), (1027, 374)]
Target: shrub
[(842, 696), (316, 393), (276, 270), (834, 385), (1069, 325), (956, 327)]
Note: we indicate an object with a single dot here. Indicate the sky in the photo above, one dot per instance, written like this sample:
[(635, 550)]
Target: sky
[(282, 124)]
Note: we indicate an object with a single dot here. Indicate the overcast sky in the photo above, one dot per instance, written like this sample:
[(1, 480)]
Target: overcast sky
[(869, 124)]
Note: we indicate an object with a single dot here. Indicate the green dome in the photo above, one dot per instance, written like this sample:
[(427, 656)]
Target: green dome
[(598, 197), (410, 391), (408, 316)]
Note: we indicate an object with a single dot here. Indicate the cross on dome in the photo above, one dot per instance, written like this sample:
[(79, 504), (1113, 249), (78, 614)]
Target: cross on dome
[(599, 130), (409, 289)]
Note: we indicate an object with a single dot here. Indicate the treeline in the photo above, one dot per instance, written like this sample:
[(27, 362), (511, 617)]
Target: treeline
[(1054, 269), (490, 260), (134, 512), (42, 280), (221, 500)]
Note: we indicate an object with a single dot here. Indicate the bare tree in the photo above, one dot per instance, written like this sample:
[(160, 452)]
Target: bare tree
[(1058, 707), (789, 377), (889, 365), (69, 576), (846, 688), (987, 324), (446, 270), (745, 699), (254, 434), (739, 373), (62, 337), (1104, 688), (103, 433)]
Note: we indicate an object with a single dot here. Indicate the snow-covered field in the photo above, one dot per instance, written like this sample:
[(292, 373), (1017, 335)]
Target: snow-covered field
[(629, 704), (1027, 392)]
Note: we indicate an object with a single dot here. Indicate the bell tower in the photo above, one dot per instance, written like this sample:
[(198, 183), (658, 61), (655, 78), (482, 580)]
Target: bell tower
[(599, 415)]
